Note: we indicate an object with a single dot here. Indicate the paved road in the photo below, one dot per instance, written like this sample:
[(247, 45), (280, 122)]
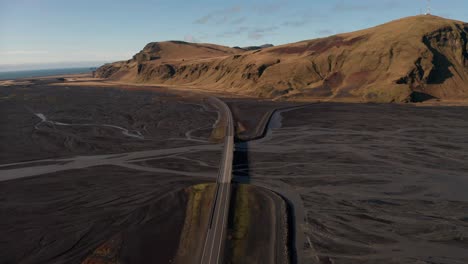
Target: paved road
[(215, 237)]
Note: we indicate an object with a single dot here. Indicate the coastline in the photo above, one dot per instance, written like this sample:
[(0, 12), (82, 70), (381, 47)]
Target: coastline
[(87, 80), (45, 73)]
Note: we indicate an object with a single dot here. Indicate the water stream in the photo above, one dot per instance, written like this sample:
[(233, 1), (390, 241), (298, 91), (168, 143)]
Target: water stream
[(125, 132)]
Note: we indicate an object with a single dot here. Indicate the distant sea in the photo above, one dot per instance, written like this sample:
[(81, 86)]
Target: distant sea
[(8, 75)]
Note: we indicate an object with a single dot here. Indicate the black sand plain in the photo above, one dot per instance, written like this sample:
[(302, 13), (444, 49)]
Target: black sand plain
[(99, 175), (106, 176), (369, 183)]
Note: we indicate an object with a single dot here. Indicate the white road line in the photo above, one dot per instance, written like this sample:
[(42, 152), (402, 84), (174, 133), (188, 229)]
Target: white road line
[(216, 230)]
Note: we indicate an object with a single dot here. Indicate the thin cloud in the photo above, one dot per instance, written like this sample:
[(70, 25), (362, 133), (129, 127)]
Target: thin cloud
[(204, 19), (238, 21), (325, 32), (346, 6), (259, 33), (296, 23), (272, 7), (353, 7), (302, 18), (233, 33), (252, 33), (220, 16), (195, 37), (24, 52), (255, 36)]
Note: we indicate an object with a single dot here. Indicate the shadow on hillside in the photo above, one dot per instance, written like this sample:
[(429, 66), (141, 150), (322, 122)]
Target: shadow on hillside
[(419, 97), (441, 71)]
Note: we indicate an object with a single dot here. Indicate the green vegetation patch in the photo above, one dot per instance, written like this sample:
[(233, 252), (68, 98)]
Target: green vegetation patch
[(241, 222), (197, 214)]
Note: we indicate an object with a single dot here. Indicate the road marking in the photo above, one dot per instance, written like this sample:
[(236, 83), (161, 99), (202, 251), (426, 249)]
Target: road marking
[(219, 213)]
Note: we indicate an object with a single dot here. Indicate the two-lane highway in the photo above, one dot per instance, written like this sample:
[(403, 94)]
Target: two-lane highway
[(215, 237)]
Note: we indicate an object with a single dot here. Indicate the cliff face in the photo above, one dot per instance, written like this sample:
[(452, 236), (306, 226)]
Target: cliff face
[(411, 59), (162, 58)]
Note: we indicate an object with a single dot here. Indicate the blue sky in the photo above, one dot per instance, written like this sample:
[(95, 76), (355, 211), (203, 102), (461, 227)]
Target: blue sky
[(61, 31)]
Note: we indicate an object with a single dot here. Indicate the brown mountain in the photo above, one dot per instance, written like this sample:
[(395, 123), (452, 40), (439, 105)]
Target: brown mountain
[(411, 59)]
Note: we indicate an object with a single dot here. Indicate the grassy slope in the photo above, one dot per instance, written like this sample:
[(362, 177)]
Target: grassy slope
[(386, 63)]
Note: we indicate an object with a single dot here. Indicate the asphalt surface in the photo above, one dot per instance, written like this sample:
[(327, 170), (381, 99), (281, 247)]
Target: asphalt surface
[(215, 237)]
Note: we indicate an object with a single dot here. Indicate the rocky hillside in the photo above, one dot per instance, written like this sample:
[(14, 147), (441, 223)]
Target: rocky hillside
[(411, 59)]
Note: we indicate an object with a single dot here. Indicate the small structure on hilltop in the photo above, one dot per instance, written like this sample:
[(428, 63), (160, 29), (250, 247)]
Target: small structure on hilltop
[(428, 8)]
